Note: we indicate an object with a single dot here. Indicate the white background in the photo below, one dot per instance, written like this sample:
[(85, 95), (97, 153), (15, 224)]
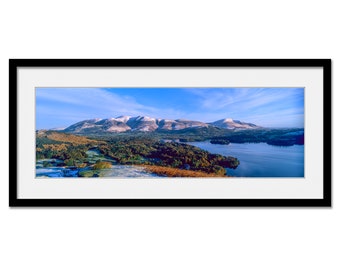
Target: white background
[(309, 186), (168, 238)]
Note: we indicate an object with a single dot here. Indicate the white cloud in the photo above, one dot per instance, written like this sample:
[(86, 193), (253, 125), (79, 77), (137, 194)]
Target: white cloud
[(93, 98), (241, 98)]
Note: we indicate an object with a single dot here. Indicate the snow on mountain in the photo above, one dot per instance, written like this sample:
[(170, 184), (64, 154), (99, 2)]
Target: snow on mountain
[(142, 123), (178, 124), (166, 124), (112, 125), (148, 124), (98, 125), (122, 118), (229, 123), (82, 125), (182, 123)]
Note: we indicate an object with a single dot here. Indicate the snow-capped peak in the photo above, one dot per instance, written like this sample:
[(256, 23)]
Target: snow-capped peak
[(228, 120), (122, 118), (229, 123), (148, 124), (145, 118)]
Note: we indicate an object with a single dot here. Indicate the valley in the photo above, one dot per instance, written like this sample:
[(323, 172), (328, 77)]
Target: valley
[(141, 153)]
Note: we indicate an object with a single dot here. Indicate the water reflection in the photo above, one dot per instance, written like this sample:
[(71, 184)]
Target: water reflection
[(261, 159)]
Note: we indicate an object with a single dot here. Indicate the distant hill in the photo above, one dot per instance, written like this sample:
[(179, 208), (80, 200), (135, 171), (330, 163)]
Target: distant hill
[(233, 124), (149, 124)]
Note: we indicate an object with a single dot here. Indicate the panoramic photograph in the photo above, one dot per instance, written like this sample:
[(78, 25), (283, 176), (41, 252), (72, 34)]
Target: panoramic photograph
[(169, 132)]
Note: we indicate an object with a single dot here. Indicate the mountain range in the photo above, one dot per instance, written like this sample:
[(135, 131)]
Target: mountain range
[(149, 124)]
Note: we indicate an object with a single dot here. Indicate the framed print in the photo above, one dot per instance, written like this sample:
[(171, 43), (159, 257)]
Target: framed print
[(170, 132)]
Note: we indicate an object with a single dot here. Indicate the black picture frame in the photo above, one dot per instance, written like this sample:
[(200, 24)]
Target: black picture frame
[(14, 64)]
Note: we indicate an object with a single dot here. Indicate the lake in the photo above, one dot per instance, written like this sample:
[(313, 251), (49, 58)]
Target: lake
[(260, 159)]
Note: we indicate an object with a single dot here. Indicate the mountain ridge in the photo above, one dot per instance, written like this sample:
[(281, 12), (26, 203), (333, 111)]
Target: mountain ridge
[(150, 124)]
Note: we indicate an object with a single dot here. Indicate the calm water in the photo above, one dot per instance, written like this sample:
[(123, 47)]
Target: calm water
[(261, 159)]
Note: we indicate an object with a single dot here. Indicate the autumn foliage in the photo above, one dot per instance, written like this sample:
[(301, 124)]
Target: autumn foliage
[(174, 172)]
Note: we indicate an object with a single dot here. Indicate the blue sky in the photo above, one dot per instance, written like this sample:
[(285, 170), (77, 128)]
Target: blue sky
[(267, 107)]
